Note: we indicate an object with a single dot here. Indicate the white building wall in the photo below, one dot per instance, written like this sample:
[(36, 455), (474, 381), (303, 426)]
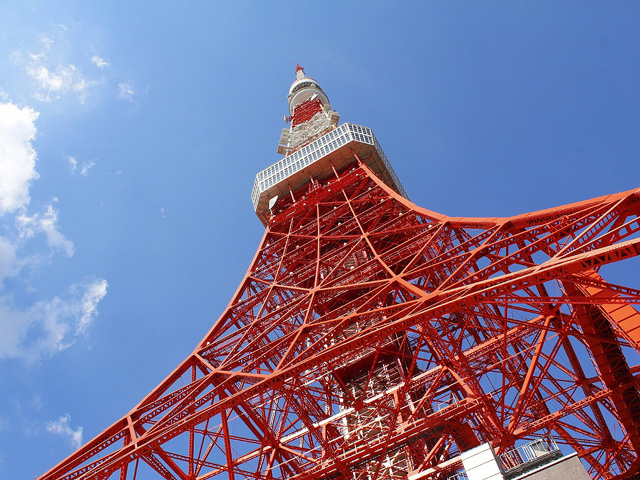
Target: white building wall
[(481, 463)]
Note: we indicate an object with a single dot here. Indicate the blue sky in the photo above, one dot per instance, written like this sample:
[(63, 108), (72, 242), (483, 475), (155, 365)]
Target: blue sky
[(130, 134)]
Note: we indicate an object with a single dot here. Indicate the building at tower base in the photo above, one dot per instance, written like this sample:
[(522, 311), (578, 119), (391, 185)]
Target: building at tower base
[(537, 460)]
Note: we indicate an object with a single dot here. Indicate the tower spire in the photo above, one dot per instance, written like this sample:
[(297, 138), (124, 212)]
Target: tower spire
[(315, 147), (310, 113)]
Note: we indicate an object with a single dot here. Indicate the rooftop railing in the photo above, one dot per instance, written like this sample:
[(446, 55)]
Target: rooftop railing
[(529, 454)]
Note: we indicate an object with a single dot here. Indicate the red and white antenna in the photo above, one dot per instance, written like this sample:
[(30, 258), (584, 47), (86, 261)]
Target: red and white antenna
[(310, 113)]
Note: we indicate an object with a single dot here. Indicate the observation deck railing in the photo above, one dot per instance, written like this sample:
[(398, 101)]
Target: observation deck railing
[(529, 456), (293, 170)]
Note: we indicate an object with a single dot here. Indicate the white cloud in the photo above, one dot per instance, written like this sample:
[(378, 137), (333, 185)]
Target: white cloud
[(17, 155), (92, 295), (54, 84), (84, 169), (51, 326), (126, 91), (47, 223), (46, 41), (52, 80), (99, 62), (62, 427)]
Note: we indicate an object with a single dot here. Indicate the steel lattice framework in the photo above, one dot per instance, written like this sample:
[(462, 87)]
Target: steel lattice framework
[(459, 331), (375, 339)]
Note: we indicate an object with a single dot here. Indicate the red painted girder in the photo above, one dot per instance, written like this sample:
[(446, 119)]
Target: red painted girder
[(596, 322)]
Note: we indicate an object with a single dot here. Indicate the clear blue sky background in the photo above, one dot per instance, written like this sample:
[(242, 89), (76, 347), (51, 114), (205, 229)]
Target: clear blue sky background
[(147, 121)]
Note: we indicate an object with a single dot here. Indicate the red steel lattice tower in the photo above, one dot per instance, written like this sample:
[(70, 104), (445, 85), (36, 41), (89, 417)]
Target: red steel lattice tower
[(375, 339)]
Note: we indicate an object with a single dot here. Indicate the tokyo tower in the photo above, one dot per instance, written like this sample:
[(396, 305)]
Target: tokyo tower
[(374, 339)]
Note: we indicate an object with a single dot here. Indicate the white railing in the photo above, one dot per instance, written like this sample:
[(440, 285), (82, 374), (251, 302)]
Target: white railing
[(314, 151), (528, 453)]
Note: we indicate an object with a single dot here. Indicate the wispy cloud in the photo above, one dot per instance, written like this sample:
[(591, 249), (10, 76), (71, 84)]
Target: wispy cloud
[(84, 168), (56, 68), (99, 62), (92, 294), (62, 427), (57, 82), (53, 79), (49, 326), (126, 91), (46, 41), (46, 223)]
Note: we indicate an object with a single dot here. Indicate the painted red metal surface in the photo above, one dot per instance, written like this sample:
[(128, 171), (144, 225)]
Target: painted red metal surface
[(371, 338), (306, 111)]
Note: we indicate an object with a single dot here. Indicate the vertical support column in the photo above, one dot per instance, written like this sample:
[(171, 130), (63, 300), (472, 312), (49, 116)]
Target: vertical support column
[(481, 463), (597, 322)]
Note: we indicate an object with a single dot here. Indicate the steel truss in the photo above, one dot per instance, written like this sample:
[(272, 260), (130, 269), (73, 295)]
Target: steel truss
[(371, 338)]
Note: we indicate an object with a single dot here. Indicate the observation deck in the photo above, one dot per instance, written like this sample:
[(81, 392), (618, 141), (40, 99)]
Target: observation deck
[(318, 159)]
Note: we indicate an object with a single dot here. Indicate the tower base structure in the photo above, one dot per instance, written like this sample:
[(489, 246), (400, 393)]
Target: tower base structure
[(374, 339)]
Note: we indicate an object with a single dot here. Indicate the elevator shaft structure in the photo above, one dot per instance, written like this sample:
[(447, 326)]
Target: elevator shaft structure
[(374, 339)]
